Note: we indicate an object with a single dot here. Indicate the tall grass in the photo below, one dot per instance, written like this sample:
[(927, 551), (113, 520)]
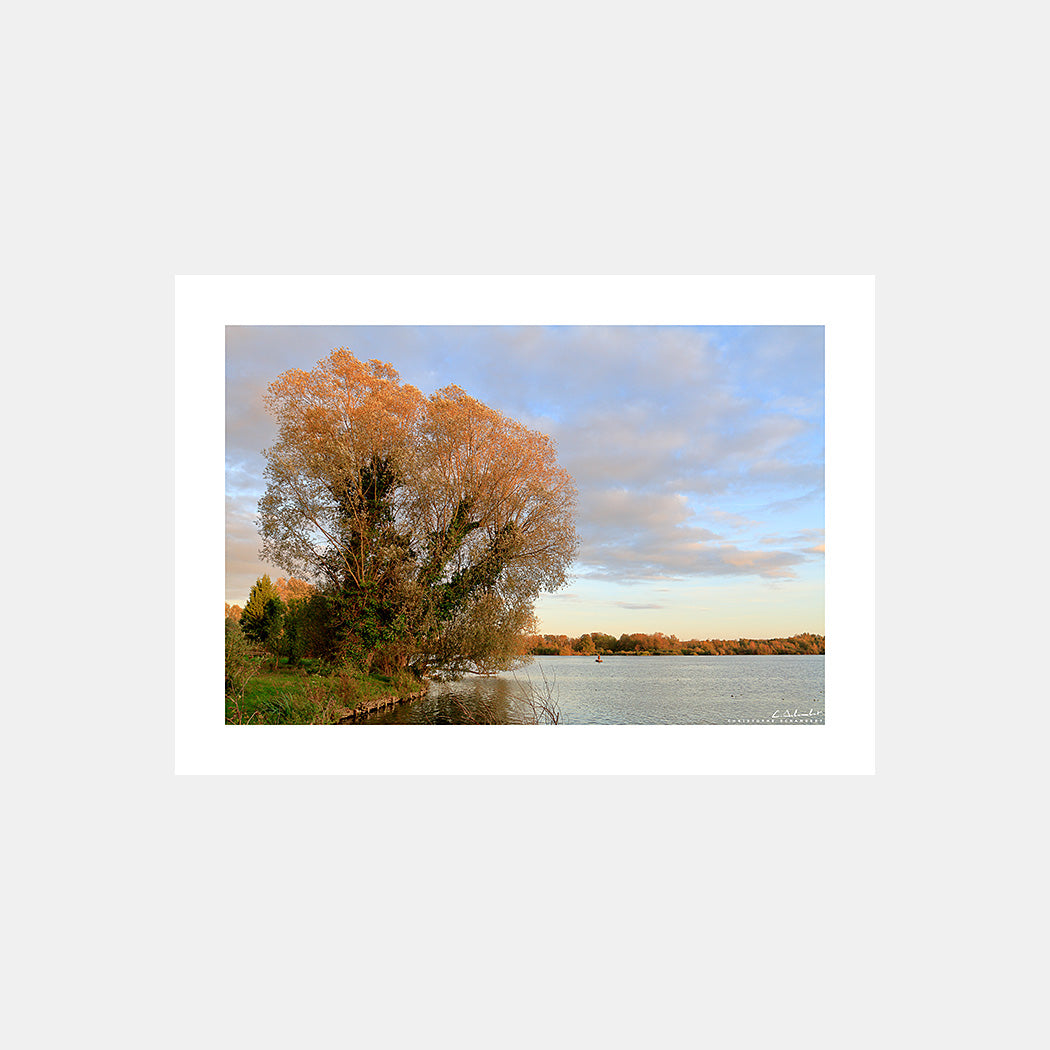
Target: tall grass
[(538, 704), (531, 703), (294, 697)]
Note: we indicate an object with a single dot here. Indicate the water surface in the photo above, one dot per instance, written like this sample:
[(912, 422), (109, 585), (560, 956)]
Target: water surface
[(635, 690)]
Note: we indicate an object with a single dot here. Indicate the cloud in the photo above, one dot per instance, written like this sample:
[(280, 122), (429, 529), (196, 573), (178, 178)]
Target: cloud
[(735, 521), (249, 429), (667, 431), (627, 565), (584, 368), (796, 539), (798, 501), (655, 417), (629, 535), (243, 566), (631, 443)]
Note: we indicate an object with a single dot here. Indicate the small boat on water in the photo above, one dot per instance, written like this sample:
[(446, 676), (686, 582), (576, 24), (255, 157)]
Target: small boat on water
[(599, 660)]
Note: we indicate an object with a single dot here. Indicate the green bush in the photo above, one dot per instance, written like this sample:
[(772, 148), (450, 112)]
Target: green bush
[(239, 663)]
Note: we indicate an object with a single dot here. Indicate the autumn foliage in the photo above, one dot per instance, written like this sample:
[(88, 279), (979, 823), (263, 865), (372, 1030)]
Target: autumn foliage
[(425, 527), (660, 644)]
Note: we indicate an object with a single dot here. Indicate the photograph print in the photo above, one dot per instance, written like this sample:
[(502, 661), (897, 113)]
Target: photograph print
[(524, 525)]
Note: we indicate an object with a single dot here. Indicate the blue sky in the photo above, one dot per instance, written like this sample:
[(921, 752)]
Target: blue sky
[(698, 453)]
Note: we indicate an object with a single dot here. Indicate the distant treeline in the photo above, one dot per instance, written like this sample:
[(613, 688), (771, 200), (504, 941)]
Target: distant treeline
[(660, 644)]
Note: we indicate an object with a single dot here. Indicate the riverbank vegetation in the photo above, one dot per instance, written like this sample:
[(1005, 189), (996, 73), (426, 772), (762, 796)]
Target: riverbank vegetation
[(298, 690)]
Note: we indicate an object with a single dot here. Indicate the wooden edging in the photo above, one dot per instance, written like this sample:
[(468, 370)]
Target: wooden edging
[(379, 703)]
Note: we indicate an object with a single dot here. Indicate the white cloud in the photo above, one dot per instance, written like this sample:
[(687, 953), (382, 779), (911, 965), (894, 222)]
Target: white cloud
[(632, 535)]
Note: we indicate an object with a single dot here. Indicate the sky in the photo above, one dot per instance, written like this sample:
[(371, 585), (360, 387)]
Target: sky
[(698, 453)]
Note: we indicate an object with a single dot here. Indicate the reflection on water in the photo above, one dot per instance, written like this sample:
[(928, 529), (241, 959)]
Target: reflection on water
[(626, 690), (475, 700)]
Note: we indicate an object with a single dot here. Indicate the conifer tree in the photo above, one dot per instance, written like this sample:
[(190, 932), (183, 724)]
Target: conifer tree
[(263, 616)]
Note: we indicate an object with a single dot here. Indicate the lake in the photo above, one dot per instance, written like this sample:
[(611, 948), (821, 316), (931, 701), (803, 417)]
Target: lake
[(633, 690)]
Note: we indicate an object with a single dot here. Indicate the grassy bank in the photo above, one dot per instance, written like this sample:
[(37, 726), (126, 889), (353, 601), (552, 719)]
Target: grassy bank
[(292, 696)]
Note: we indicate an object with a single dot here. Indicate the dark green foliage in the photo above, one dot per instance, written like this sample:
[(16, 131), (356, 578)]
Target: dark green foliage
[(327, 629), (263, 618), (391, 606), (399, 606), (254, 615), (271, 628), (365, 611), (442, 546), (480, 576), (293, 640)]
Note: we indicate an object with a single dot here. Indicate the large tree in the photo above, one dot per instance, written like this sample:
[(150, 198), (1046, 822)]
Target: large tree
[(428, 524)]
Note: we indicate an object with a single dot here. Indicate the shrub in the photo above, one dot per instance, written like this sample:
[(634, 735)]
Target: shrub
[(239, 665)]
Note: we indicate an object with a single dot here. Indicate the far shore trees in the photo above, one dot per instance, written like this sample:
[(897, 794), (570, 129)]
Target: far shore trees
[(661, 644), (427, 525)]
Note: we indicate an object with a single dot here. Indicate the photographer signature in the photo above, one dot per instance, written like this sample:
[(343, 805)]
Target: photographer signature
[(794, 714)]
